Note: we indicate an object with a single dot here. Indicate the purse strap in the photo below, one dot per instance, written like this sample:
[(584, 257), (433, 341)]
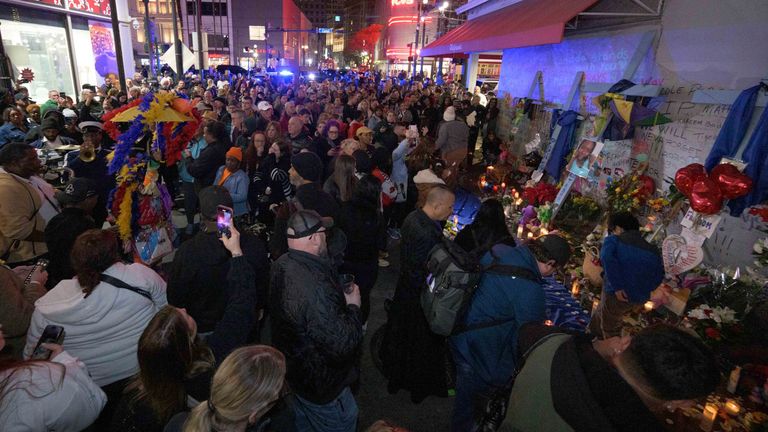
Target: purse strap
[(117, 283)]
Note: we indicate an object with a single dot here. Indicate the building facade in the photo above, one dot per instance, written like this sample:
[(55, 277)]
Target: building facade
[(65, 44)]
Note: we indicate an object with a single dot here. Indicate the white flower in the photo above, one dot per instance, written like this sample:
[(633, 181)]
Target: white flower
[(758, 247)]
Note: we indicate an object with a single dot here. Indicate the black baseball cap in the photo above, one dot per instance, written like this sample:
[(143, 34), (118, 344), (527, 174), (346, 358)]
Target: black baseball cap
[(77, 190), (304, 223)]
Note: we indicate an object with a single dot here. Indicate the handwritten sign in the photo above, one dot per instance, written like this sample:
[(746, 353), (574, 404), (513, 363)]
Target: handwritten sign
[(679, 256), (615, 161), (700, 224)]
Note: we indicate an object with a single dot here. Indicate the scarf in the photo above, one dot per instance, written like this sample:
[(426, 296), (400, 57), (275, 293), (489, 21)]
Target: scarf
[(224, 176)]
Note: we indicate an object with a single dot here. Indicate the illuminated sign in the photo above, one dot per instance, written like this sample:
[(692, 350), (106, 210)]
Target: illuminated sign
[(401, 2)]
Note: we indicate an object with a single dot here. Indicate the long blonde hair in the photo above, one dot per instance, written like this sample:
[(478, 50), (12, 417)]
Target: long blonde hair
[(248, 382)]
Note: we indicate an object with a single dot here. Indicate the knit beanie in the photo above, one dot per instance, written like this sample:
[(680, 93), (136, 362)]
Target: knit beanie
[(236, 153), (308, 166)]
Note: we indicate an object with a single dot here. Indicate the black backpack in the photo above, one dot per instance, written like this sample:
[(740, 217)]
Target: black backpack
[(454, 275)]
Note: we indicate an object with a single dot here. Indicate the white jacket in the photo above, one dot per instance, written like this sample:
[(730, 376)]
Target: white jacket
[(103, 329), (41, 398)]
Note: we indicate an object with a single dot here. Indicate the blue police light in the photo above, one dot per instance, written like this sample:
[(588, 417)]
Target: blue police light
[(285, 72), (311, 77)]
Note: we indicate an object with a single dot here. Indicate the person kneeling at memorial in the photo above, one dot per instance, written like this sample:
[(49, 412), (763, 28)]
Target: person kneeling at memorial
[(569, 382), (632, 269)]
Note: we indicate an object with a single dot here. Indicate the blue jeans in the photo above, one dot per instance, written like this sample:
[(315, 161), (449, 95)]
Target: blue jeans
[(339, 415), (470, 391)]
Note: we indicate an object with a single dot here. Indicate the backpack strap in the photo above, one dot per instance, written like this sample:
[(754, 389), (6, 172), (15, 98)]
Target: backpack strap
[(117, 283)]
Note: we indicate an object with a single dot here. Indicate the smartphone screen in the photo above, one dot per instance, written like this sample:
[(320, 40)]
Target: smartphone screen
[(51, 334), (223, 219)]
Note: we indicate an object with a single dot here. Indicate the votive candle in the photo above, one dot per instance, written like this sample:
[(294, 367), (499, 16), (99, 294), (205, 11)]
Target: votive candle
[(708, 417), (648, 306), (732, 407), (519, 231)]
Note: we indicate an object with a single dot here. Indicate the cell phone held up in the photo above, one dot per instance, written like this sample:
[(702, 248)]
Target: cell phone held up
[(223, 221), (51, 334)]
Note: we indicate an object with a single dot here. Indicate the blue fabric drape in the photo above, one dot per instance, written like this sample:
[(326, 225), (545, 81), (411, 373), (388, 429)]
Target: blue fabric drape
[(734, 128), (756, 156), (727, 145), (569, 122)]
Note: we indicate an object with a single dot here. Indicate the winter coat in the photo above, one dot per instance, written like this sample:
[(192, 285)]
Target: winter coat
[(313, 326), (103, 329), (237, 185), (451, 136), (198, 276), (204, 168), (631, 264), (506, 300), (50, 396), (20, 218)]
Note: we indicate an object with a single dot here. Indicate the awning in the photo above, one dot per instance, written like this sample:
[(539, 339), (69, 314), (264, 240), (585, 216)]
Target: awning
[(527, 23)]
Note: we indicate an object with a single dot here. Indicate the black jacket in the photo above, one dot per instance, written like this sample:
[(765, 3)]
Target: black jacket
[(313, 326), (204, 168), (198, 276), (302, 142), (364, 229), (419, 235)]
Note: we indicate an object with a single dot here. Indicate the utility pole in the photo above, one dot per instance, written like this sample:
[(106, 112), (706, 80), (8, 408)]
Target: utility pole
[(151, 71), (118, 44), (416, 41), (199, 17), (423, 43), (176, 41)]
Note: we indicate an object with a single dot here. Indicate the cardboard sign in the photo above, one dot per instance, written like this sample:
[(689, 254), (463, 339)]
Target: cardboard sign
[(679, 256), (704, 225)]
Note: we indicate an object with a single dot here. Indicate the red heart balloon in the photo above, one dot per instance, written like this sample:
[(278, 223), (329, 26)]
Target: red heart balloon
[(706, 197), (732, 182), (648, 186), (687, 176)]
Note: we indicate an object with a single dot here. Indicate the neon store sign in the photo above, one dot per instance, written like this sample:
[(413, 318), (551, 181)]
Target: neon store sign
[(401, 2)]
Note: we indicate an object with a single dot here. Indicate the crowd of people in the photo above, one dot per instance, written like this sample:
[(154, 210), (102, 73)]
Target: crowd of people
[(263, 330)]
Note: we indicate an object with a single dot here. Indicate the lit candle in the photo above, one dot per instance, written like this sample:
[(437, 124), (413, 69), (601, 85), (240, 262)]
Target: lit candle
[(648, 306), (548, 323), (490, 167), (595, 303), (530, 235), (456, 220), (483, 183), (495, 188), (544, 231), (708, 417), (519, 231), (575, 288), (517, 195), (518, 202), (732, 407)]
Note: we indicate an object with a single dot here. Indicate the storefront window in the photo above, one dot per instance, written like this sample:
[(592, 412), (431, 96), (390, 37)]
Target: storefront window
[(43, 49)]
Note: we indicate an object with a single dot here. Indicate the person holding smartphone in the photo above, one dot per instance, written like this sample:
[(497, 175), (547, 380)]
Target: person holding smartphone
[(53, 394)]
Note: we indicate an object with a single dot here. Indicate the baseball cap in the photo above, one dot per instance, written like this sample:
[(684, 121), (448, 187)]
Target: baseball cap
[(362, 130), (211, 198), (304, 223), (20, 96), (77, 190), (308, 166), (557, 247), (69, 113), (264, 105)]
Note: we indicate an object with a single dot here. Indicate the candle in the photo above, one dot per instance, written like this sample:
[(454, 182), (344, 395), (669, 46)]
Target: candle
[(548, 323), (519, 201), (575, 288), (483, 183), (595, 303), (496, 188), (732, 407), (708, 417), (530, 235), (456, 220), (517, 195), (544, 231), (520, 231), (648, 306), (490, 167)]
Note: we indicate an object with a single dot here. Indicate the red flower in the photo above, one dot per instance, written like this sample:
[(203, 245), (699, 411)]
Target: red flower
[(712, 333), (760, 211)]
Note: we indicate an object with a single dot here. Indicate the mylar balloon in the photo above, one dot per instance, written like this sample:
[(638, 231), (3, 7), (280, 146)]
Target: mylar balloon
[(706, 197), (687, 176), (732, 182)]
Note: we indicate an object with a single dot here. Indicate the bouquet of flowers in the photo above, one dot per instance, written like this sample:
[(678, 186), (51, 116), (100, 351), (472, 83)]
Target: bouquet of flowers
[(760, 251), (540, 194), (713, 324), (623, 194)]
